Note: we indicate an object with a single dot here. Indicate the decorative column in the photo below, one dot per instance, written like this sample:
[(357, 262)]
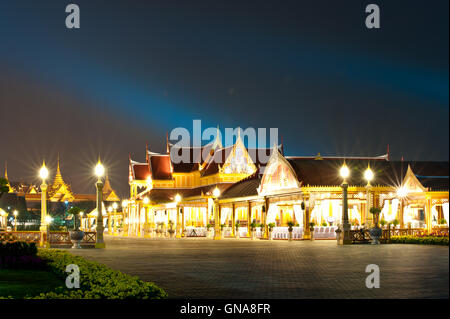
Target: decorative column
[(99, 242), (233, 220), (216, 221), (345, 236), (182, 222), (400, 214), (249, 216), (428, 215), (265, 212), (368, 195), (306, 218), (178, 227), (44, 242)]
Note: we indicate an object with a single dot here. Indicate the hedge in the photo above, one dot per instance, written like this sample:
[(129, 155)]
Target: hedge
[(97, 281), (423, 240), (20, 255)]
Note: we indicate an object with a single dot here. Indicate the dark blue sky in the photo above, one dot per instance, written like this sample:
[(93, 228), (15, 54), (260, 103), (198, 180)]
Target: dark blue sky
[(137, 69)]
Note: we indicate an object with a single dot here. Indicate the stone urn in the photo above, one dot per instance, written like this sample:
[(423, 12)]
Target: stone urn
[(76, 236), (311, 231), (375, 234)]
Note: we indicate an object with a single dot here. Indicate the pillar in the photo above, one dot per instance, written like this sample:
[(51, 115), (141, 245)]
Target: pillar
[(428, 215), (44, 227), (306, 218), (249, 216), (233, 220), (99, 242), (266, 209), (345, 235), (182, 222), (216, 221)]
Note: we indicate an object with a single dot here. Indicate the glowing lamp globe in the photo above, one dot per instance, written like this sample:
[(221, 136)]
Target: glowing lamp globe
[(114, 205), (110, 209), (402, 192), (43, 172), (124, 203), (16, 213), (48, 219), (99, 169), (178, 198), (345, 172), (216, 192), (368, 174), (146, 200)]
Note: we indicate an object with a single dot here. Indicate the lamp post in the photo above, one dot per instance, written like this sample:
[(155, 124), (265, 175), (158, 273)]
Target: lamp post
[(99, 171), (368, 175), (345, 235), (43, 173), (15, 219), (216, 194)]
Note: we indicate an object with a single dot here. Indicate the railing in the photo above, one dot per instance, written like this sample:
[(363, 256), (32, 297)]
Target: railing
[(362, 236), (440, 231), (408, 232), (55, 238)]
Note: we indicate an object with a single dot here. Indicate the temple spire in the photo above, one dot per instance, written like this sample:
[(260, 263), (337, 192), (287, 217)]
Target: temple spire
[(58, 177), (6, 170)]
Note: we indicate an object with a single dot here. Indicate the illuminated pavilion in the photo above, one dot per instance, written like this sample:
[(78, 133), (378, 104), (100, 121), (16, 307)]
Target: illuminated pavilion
[(232, 184)]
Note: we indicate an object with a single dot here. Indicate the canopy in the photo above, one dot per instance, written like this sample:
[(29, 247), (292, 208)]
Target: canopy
[(94, 213)]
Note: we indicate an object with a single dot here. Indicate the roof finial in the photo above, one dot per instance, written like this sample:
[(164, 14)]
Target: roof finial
[(146, 151), (6, 169), (282, 145), (388, 153)]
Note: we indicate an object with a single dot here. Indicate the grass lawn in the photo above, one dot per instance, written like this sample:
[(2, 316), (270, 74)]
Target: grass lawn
[(22, 283)]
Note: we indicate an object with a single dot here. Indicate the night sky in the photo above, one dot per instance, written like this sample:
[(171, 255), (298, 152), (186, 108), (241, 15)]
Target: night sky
[(137, 69)]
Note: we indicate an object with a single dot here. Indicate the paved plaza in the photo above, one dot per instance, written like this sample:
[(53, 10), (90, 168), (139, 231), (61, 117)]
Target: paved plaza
[(229, 268)]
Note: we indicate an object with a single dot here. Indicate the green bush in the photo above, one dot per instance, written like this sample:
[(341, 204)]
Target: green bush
[(424, 240), (97, 281), (18, 248)]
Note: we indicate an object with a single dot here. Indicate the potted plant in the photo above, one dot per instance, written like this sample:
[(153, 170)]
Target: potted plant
[(76, 235), (171, 230), (271, 226), (222, 233), (236, 227), (290, 229), (311, 229), (395, 222), (253, 230), (375, 232), (383, 223), (443, 222), (262, 228), (324, 224), (209, 232)]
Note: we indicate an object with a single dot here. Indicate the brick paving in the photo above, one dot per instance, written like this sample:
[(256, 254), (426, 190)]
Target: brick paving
[(229, 268)]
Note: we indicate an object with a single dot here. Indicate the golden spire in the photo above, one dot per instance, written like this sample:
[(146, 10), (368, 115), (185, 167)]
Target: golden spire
[(6, 170), (58, 177)]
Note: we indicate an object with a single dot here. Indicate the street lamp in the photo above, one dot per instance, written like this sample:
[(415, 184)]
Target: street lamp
[(15, 219), (345, 236), (368, 176), (177, 198), (99, 172), (114, 220), (43, 174)]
